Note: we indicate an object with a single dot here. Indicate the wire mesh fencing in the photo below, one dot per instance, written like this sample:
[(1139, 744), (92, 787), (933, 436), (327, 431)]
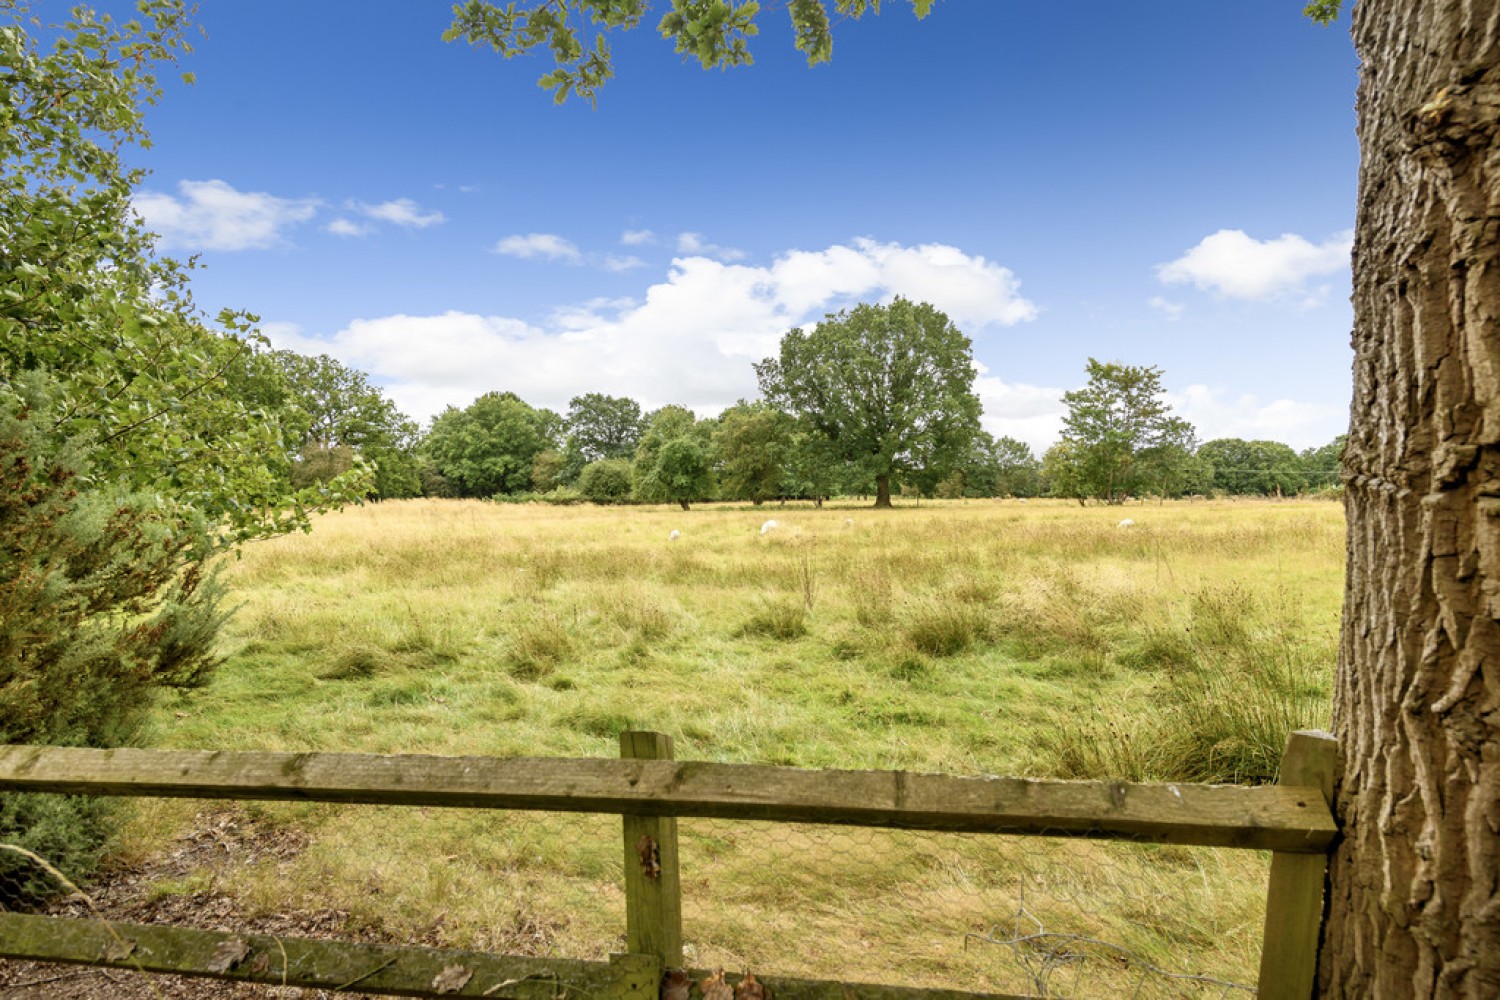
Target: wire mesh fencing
[(1041, 916), (1033, 916)]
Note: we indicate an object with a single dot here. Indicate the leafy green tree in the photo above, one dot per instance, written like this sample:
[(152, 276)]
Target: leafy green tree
[(129, 458), (674, 460), (1253, 467), (1322, 467), (890, 388), (683, 472), (715, 32), (752, 442), (601, 426), (1062, 472), (491, 445), (999, 467), (84, 298), (605, 481), (340, 421), (1173, 469), (548, 470), (1111, 421)]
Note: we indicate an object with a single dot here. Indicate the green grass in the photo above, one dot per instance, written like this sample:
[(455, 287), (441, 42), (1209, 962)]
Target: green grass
[(971, 638)]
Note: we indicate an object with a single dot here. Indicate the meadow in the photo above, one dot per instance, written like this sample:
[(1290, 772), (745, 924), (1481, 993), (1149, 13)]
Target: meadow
[(981, 637)]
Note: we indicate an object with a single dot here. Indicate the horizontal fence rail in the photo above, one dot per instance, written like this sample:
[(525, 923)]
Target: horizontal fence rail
[(1276, 818), (389, 969), (649, 790)]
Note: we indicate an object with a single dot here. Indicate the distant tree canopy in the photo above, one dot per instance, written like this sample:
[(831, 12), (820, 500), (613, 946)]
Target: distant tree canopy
[(600, 426), (1120, 432), (490, 446), (335, 420), (673, 462), (889, 389)]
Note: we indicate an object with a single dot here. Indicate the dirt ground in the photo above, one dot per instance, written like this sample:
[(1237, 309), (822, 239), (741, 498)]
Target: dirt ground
[(219, 839)]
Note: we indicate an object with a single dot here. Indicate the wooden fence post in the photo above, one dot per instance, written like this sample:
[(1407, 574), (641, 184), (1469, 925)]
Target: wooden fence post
[(1294, 899), (653, 889)]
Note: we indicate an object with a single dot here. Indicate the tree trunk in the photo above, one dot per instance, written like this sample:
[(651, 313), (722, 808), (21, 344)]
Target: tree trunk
[(684, 504), (882, 491), (1414, 888)]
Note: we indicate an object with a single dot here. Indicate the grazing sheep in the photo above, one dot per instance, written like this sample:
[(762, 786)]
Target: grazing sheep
[(768, 527), (674, 535), (1022, 500), (1127, 523), (849, 522)]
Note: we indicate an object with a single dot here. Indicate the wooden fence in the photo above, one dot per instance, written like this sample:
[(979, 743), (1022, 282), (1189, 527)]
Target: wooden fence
[(650, 790)]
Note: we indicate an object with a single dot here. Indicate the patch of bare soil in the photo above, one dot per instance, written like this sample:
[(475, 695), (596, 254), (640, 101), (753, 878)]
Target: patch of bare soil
[(220, 839)]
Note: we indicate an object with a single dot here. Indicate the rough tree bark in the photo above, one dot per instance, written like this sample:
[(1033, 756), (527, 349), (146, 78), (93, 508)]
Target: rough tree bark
[(883, 491), (1414, 900)]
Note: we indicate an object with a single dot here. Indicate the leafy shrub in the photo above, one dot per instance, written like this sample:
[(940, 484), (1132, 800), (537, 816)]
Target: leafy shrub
[(106, 598), (605, 481)]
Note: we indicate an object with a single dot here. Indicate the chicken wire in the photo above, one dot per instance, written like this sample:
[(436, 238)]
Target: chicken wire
[(1040, 916)]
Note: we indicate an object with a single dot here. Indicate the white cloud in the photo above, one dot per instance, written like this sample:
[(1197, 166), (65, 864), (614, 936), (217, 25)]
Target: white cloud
[(693, 243), (1236, 265), (1171, 310), (637, 237), (1030, 413), (346, 227), (1216, 413), (690, 339), (546, 245), (212, 215), (617, 264), (399, 212)]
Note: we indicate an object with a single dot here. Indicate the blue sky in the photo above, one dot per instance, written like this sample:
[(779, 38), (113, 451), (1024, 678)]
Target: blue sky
[(1168, 183)]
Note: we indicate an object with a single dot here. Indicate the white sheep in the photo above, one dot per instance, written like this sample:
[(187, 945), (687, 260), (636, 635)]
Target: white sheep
[(848, 522), (1127, 523), (674, 535), (768, 527), (1022, 500)]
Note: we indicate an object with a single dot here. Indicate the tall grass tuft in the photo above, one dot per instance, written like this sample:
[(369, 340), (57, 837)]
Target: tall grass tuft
[(941, 629), (777, 618), (539, 644), (1241, 676)]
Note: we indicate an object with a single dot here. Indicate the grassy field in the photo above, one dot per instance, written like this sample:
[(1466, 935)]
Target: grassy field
[(975, 638)]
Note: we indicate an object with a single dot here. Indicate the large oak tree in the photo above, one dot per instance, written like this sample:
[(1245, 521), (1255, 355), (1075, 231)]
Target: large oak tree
[(889, 389)]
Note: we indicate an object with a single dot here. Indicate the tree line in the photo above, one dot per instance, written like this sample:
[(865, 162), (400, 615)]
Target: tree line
[(801, 441)]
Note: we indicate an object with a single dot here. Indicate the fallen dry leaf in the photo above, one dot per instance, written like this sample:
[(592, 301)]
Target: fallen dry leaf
[(676, 985), (228, 954), (118, 950), (750, 988), (714, 987), (452, 979)]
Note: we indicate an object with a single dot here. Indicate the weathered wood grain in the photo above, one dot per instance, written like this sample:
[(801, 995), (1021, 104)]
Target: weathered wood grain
[(390, 970), (1275, 818), (1294, 897), (653, 884)]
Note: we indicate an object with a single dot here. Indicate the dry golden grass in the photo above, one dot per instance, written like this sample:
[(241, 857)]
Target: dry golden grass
[(979, 637)]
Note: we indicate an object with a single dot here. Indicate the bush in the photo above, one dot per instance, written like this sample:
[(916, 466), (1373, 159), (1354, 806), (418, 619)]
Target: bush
[(106, 598), (605, 481)]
